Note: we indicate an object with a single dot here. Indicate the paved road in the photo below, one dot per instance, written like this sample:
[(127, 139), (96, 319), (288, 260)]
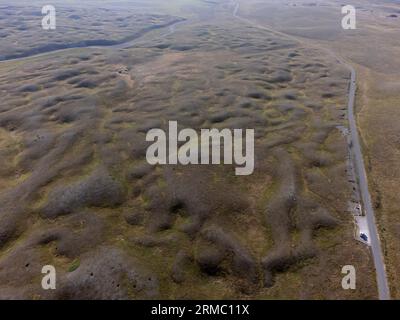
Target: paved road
[(383, 287), (358, 162)]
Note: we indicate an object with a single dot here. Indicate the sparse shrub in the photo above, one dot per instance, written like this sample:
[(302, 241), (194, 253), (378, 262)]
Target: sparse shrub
[(98, 190)]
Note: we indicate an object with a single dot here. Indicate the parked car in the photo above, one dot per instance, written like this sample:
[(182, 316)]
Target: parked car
[(364, 237)]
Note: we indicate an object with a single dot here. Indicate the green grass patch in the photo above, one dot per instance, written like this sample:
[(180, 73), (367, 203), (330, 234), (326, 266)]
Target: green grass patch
[(74, 265)]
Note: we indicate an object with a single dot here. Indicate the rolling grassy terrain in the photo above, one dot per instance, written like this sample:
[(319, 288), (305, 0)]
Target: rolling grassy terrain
[(373, 49), (77, 192)]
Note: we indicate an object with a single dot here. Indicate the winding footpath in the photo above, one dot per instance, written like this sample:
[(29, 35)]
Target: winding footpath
[(358, 162)]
